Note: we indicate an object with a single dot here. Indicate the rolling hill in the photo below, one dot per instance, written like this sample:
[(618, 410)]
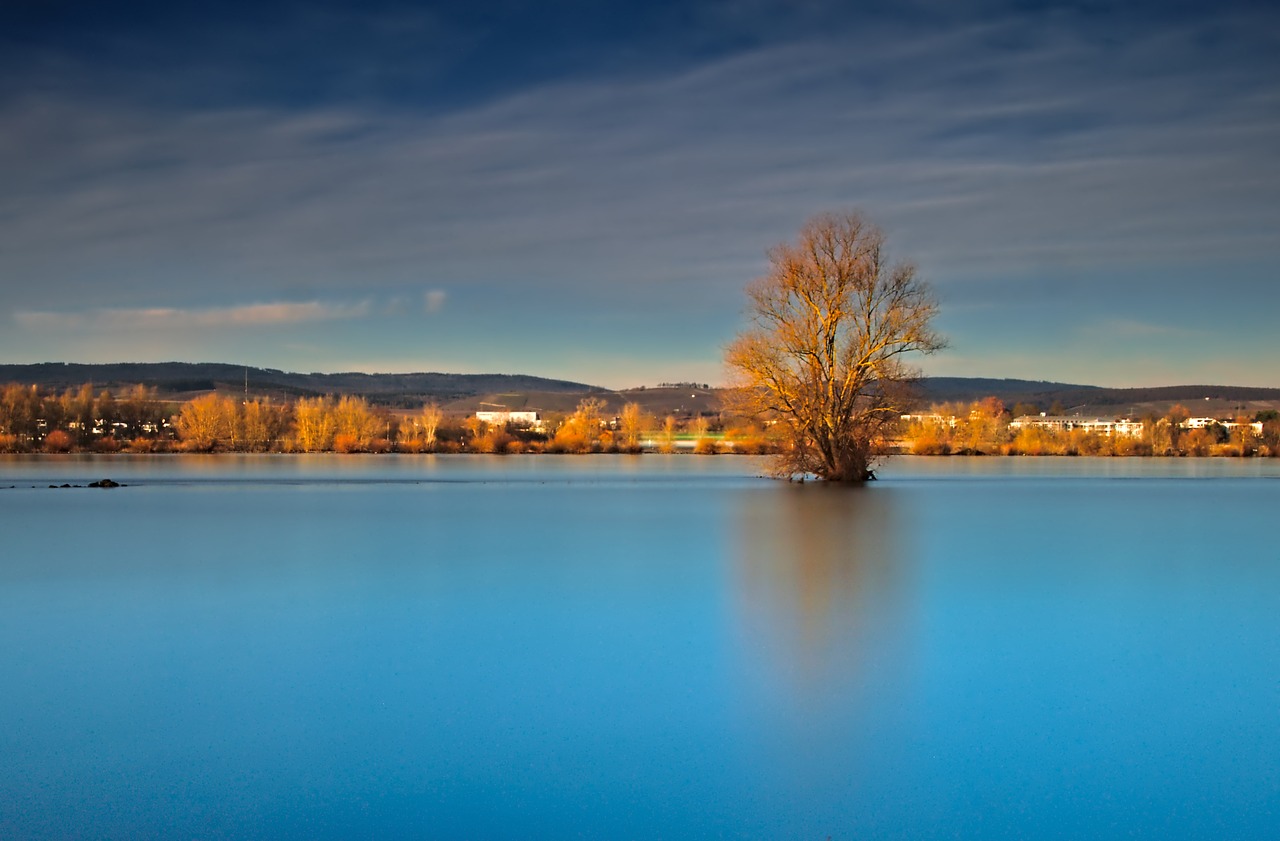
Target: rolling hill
[(469, 392), (177, 380)]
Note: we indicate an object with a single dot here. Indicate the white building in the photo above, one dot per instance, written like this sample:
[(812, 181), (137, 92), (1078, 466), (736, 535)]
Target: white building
[(1066, 423), (934, 418), (1204, 423), (526, 420)]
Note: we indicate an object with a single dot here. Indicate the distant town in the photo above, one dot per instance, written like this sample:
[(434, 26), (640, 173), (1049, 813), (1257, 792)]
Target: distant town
[(987, 427), (549, 416)]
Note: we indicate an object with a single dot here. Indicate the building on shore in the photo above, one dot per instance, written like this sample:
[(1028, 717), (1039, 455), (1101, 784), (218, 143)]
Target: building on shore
[(1067, 423), (523, 420)]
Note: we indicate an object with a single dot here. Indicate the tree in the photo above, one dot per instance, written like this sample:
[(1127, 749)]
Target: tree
[(430, 422), (1270, 431), (418, 434), (631, 425), (703, 443), (833, 320), (1243, 435), (19, 410), (77, 411), (983, 425), (262, 425), (355, 426), (580, 433), (313, 424), (207, 421), (668, 434), (1177, 416), (141, 410)]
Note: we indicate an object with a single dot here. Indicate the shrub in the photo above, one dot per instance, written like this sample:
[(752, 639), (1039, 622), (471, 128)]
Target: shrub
[(706, 447), (57, 442), (347, 443), (755, 445), (494, 441), (930, 445), (1130, 446), (569, 439), (1197, 442)]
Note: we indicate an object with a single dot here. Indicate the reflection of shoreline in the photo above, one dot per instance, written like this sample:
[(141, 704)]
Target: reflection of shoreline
[(819, 573)]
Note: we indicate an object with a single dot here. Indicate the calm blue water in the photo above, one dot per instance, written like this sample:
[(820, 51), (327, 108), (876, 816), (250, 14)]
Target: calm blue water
[(653, 647)]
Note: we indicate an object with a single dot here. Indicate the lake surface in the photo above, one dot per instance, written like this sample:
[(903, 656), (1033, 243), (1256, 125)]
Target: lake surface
[(638, 647)]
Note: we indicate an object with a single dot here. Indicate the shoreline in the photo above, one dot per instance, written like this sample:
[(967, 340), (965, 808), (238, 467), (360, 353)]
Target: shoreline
[(678, 451)]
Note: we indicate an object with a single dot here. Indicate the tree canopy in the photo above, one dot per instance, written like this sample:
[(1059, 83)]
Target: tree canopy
[(833, 322)]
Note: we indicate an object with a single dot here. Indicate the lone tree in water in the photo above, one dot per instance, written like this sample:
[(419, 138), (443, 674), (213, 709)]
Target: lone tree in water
[(832, 323)]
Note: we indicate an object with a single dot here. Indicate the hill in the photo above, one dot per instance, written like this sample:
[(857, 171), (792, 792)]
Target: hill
[(1213, 400), (470, 392), (177, 380), (968, 389)]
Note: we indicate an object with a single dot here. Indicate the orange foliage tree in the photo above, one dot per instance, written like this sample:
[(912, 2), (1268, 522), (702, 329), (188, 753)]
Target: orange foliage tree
[(834, 322)]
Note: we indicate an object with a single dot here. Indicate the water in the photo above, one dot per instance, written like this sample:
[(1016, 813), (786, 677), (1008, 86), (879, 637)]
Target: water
[(653, 647)]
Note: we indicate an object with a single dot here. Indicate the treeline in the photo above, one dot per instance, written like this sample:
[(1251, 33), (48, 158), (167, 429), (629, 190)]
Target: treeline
[(80, 419), (351, 425), (136, 421), (83, 419), (987, 427), (590, 428)]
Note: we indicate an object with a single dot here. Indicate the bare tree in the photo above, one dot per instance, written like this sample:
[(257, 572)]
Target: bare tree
[(833, 320), (313, 424), (430, 419), (207, 421), (631, 424)]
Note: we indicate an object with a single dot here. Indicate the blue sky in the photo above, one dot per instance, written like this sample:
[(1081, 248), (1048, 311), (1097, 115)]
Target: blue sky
[(583, 189)]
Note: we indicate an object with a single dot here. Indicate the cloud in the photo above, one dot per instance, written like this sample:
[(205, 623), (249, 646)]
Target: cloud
[(1120, 329), (976, 157), (152, 318), (992, 152)]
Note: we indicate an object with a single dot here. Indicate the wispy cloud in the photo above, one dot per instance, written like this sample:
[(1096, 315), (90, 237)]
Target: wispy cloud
[(170, 318), (991, 151), (433, 300), (1012, 158), (1118, 330)]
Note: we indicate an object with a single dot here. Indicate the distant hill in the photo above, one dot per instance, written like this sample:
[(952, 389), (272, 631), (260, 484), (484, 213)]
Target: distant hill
[(469, 392), (178, 379), (1089, 399), (968, 389)]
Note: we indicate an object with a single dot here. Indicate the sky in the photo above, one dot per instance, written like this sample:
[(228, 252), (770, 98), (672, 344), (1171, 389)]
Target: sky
[(583, 190)]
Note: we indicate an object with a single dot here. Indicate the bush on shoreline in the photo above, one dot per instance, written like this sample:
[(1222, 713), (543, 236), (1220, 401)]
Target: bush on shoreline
[(135, 421)]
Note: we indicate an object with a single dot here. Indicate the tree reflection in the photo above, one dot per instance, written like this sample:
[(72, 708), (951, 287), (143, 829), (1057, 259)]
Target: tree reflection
[(820, 570)]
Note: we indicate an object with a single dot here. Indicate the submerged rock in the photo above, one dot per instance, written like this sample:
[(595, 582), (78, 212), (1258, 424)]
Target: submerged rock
[(104, 483)]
